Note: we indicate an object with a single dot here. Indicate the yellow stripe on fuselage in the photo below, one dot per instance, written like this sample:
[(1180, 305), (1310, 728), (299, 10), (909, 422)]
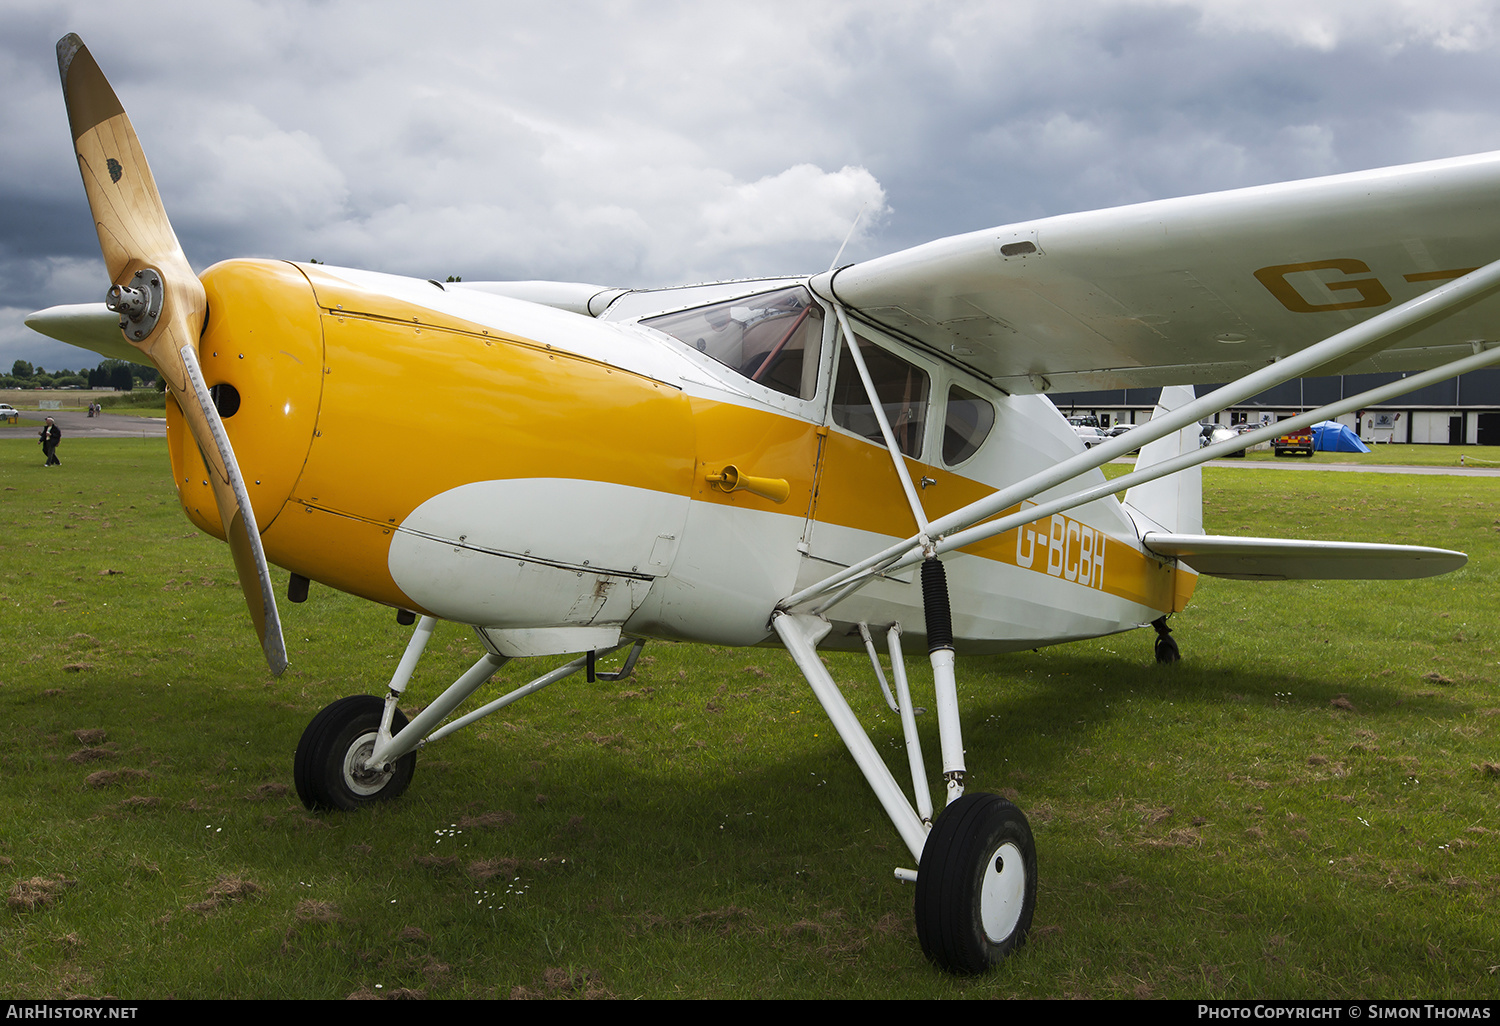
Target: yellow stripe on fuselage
[(411, 403)]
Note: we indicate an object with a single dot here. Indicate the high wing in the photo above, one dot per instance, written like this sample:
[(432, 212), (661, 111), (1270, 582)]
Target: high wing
[(1198, 289)]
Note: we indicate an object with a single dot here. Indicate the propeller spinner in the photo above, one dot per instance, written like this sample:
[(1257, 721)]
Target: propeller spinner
[(161, 305)]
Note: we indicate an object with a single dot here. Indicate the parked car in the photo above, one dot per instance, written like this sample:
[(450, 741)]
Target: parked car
[(8, 412), (1224, 434), (1087, 428)]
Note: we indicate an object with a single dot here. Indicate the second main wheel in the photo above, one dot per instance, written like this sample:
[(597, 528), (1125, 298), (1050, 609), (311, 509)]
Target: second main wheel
[(976, 884), (329, 766)]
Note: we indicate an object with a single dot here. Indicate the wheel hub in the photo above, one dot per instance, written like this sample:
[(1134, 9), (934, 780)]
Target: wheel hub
[(357, 778), (1002, 893)]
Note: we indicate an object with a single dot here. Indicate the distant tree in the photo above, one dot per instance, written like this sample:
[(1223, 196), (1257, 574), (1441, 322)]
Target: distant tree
[(453, 277), (107, 374), (143, 375), (21, 369), (119, 377)]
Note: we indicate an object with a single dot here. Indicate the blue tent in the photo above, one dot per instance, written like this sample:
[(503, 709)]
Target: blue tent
[(1331, 436)]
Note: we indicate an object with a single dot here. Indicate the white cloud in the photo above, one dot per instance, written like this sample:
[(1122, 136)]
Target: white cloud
[(801, 204), (1451, 25), (256, 173)]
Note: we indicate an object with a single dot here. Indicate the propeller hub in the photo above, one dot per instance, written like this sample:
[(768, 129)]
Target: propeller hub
[(138, 303)]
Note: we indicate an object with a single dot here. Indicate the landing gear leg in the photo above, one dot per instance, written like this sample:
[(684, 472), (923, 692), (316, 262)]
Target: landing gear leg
[(976, 876), (362, 749)]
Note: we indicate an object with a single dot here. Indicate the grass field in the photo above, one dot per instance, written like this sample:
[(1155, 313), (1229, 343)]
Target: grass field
[(142, 402), (1395, 456), (1305, 807), (1388, 455)]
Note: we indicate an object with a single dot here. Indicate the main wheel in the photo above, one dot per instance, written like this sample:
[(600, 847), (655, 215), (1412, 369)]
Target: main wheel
[(328, 768), (976, 884)]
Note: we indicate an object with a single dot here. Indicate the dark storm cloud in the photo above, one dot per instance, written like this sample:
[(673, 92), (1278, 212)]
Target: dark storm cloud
[(1144, 103), (650, 143)]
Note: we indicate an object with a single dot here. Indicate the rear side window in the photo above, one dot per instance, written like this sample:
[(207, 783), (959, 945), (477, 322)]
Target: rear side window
[(902, 389), (966, 425), (772, 339)]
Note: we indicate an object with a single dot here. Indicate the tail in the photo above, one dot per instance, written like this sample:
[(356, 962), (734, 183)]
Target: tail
[(1172, 504)]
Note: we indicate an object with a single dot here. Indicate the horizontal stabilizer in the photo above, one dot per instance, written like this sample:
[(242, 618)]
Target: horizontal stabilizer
[(87, 326), (1279, 559)]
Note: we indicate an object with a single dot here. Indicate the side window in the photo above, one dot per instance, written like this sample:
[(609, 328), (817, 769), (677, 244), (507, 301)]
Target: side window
[(902, 389), (966, 425), (773, 339)]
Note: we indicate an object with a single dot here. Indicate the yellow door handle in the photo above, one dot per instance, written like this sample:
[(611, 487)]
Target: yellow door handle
[(731, 480)]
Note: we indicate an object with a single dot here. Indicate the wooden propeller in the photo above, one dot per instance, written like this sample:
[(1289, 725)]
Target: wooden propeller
[(162, 306)]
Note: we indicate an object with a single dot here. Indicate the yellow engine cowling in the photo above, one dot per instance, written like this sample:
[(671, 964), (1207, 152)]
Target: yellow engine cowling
[(262, 349)]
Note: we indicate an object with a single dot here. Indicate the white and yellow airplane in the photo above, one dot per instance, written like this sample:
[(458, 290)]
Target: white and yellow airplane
[(755, 462)]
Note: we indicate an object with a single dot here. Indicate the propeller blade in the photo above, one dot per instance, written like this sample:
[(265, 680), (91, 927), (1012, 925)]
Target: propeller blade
[(162, 306)]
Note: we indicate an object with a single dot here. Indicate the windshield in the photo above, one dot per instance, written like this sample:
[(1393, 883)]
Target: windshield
[(773, 339)]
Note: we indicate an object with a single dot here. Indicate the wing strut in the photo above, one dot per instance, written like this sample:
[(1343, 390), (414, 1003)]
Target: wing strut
[(917, 512), (1367, 337)]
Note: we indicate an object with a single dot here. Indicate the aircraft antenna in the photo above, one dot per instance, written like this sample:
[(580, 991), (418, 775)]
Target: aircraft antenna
[(858, 214)]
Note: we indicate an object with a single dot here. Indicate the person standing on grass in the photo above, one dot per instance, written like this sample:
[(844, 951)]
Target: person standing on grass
[(50, 435)]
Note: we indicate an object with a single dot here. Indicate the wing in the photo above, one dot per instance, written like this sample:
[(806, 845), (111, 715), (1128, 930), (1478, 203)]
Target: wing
[(1199, 289)]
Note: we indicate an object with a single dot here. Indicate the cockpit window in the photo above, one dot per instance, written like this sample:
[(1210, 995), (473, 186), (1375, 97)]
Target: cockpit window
[(773, 339), (966, 425), (901, 387)]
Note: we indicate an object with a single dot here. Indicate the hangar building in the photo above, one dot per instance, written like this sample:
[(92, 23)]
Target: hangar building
[(1462, 411)]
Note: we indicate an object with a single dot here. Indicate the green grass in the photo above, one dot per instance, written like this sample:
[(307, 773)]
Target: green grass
[(1305, 807), (141, 401), (1395, 456), (70, 398)]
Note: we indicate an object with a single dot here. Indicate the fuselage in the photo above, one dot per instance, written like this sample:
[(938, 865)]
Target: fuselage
[(557, 479)]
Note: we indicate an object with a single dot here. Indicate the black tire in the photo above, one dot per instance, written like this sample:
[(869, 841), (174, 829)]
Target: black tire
[(323, 769), (976, 884), (1167, 650)]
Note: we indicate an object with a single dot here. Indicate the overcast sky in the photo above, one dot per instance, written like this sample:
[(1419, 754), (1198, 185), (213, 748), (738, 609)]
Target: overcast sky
[(654, 143)]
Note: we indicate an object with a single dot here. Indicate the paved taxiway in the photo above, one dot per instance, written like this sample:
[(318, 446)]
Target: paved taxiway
[(78, 424)]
